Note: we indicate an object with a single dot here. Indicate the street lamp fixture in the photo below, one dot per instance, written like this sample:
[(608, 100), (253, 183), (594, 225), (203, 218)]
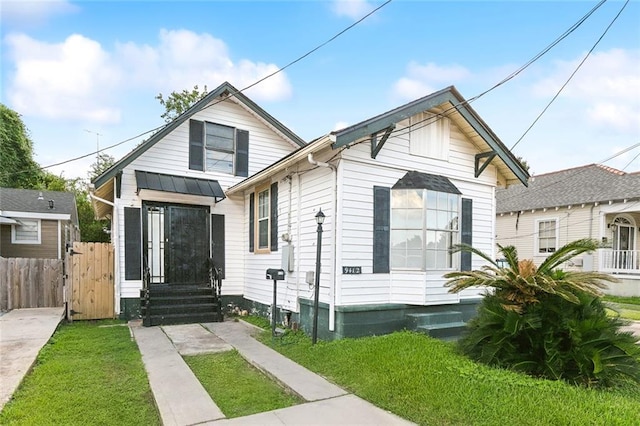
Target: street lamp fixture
[(319, 220)]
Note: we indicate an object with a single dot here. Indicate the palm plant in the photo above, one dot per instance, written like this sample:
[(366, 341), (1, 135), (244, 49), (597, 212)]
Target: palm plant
[(547, 322), (522, 283)]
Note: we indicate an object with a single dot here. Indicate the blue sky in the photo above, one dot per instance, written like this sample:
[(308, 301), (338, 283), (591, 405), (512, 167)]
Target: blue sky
[(68, 67)]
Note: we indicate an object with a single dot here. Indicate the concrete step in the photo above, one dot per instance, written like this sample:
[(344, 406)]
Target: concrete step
[(446, 331), (181, 318)]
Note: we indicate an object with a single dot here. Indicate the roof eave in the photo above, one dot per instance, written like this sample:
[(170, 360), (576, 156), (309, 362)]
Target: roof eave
[(280, 165), (451, 95), (201, 104)]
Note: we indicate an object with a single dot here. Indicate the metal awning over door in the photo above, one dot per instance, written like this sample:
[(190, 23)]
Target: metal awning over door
[(179, 184)]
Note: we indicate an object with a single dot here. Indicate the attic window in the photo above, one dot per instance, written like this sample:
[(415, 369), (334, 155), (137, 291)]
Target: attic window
[(429, 136)]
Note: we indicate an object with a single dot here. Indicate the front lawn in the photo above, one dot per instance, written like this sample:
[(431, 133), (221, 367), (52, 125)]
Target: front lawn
[(236, 386), (424, 380), (627, 307), (89, 373)]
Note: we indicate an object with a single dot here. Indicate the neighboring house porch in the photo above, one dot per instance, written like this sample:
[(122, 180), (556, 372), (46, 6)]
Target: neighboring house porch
[(592, 201)]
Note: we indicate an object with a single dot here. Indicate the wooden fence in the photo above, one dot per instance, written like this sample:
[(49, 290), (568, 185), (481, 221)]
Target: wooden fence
[(30, 283)]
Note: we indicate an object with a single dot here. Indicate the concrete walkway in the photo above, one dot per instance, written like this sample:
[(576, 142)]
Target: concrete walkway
[(23, 332), (182, 400)]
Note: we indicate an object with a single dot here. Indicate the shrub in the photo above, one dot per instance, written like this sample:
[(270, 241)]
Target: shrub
[(547, 322)]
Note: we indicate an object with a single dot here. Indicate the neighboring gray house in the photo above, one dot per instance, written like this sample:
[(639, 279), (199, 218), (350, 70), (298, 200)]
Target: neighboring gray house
[(592, 201), (37, 224), (227, 181)]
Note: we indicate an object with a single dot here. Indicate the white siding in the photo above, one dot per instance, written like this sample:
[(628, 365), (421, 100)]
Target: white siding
[(171, 156), (361, 174), (310, 190)]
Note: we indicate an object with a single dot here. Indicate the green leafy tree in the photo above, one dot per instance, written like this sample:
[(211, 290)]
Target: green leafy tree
[(19, 170), (178, 102), (545, 321), (103, 162)]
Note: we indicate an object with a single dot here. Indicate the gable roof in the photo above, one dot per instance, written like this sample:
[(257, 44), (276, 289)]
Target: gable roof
[(224, 89), (587, 184), (344, 137), (14, 200), (459, 105)]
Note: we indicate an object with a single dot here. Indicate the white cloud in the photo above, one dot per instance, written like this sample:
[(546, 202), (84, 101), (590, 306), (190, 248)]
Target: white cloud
[(71, 79), (31, 13), (354, 9), (78, 78), (183, 59), (420, 80), (606, 88)]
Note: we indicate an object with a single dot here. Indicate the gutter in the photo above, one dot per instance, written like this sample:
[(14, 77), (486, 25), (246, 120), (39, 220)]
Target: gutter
[(332, 294)]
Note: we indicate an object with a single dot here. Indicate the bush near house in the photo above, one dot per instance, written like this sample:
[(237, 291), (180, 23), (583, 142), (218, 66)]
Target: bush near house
[(547, 322)]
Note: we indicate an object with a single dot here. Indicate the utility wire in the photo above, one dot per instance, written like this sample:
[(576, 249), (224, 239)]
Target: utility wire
[(617, 154), (230, 94), (572, 74)]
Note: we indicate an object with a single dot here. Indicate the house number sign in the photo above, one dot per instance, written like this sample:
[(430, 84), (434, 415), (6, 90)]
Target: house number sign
[(352, 270)]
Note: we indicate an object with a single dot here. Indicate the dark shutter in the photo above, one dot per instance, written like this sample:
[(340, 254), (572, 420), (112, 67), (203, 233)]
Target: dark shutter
[(381, 229), (252, 212), (132, 244), (466, 232), (196, 145), (274, 216), (217, 241), (242, 153)]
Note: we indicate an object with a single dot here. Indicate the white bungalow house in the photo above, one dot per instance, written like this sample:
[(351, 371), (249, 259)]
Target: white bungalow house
[(592, 201), (397, 191)]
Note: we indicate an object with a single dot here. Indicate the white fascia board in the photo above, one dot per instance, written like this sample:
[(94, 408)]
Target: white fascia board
[(30, 215)]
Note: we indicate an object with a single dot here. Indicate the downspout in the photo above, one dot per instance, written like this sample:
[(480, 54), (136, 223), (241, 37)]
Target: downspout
[(332, 288)]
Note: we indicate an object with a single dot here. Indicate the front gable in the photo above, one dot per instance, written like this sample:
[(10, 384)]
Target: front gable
[(429, 127)]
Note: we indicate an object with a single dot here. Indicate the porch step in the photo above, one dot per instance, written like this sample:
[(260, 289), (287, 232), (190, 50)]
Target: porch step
[(446, 325), (182, 308), (446, 331), (169, 304), (185, 318)]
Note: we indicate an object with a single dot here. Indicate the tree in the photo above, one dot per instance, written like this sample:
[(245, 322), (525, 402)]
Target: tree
[(19, 170), (545, 321), (177, 103), (103, 162)]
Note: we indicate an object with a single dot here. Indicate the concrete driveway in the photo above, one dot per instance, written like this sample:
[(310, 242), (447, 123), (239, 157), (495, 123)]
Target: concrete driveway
[(23, 332)]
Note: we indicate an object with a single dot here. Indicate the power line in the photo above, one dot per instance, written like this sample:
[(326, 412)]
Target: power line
[(555, 182), (572, 74), (430, 120), (427, 121), (230, 94)]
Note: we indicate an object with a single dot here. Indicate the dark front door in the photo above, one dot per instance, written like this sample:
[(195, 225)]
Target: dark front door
[(177, 243)]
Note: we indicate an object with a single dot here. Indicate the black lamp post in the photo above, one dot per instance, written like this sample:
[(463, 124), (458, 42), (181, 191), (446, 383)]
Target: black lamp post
[(319, 221)]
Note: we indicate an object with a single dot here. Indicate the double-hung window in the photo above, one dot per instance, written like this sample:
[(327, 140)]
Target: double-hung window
[(263, 219), (547, 236), (424, 225), (218, 148), (27, 231)]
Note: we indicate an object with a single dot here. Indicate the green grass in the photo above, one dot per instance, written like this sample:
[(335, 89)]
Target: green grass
[(87, 374), (424, 380), (237, 387), (631, 300), (261, 322), (626, 307)]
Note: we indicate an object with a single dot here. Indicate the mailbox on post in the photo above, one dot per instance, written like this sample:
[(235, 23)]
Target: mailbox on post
[(275, 275)]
